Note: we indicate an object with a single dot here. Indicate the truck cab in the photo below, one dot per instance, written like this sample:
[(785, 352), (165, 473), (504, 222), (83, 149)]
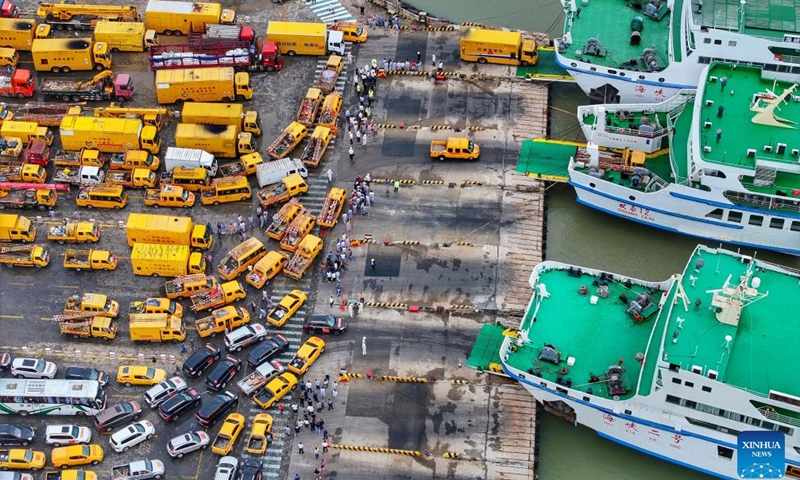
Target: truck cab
[(21, 84), (271, 58), (242, 84), (123, 87), (455, 148), (169, 196)]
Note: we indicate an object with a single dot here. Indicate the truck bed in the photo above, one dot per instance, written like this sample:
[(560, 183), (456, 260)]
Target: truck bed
[(119, 177), (297, 266), (62, 85)]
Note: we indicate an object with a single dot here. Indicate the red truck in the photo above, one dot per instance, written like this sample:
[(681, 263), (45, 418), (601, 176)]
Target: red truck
[(9, 10), (218, 33), (12, 153), (19, 84), (238, 54)]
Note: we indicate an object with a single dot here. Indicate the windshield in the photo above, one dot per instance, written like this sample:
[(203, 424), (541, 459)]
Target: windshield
[(40, 366), (151, 373), (185, 195), (471, 147), (28, 456), (74, 431), (171, 308), (331, 321), (85, 451)]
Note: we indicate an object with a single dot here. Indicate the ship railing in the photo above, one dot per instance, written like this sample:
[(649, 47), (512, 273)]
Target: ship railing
[(635, 132), (763, 202), (771, 414)]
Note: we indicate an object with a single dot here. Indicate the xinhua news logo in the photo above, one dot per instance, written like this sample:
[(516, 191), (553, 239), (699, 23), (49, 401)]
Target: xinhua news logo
[(761, 455)]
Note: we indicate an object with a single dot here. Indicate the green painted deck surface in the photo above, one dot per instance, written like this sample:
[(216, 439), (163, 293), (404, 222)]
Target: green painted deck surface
[(487, 347), (545, 159), (677, 46), (763, 353), (739, 132), (597, 336), (546, 67), (610, 22), (784, 181), (767, 18), (679, 142)]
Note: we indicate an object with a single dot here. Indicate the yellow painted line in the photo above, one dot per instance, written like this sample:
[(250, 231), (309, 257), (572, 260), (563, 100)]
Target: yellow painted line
[(12, 317), (197, 472), (65, 286), (46, 318), (20, 284)]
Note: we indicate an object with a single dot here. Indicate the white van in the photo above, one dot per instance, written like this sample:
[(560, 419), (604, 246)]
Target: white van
[(273, 172)]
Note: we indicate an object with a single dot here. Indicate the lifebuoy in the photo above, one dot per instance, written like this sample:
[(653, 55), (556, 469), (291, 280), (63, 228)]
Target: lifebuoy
[(778, 57)]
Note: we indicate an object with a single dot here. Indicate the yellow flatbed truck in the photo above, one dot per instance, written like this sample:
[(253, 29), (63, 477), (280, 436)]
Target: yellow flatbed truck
[(289, 187), (87, 325), (74, 232), (90, 260), (303, 257), (288, 140), (25, 256)]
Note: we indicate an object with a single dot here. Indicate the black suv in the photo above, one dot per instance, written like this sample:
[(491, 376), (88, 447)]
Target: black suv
[(267, 349), (325, 324), (223, 373), (179, 403), (216, 408), (16, 434), (251, 469), (125, 412), (200, 360)]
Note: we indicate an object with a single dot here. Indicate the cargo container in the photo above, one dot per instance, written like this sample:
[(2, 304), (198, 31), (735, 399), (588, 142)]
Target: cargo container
[(156, 327), (222, 114), (67, 54), (160, 260), (299, 38), (182, 18), (219, 140), (110, 135), (165, 229), (125, 36), (220, 84)]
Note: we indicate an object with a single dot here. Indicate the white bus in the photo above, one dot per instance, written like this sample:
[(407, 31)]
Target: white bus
[(19, 396)]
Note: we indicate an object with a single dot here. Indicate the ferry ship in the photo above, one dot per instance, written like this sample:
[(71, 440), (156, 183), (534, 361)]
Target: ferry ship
[(625, 51), (676, 369), (722, 164)]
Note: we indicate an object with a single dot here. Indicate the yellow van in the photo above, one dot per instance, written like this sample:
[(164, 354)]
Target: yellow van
[(244, 255), (193, 179), (189, 285), (266, 268), (133, 159), (225, 190), (102, 196), (351, 32), (8, 57)]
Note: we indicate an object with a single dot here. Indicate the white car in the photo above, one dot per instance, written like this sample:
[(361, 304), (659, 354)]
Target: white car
[(63, 435), (245, 336), (33, 368), (132, 435), (187, 443), (226, 468), (156, 395)]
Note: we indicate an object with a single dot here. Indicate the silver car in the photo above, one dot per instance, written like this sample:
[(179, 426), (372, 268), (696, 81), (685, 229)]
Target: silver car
[(63, 435), (226, 468), (245, 336), (187, 443), (33, 368), (157, 394)]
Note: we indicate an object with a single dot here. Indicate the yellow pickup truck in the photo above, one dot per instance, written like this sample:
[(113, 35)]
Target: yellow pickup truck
[(456, 149)]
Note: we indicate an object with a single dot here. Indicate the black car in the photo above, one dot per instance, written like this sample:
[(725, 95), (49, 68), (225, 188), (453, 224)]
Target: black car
[(216, 408), (223, 373), (267, 349), (201, 359), (179, 403), (5, 361), (251, 469), (325, 324), (16, 434), (84, 373)]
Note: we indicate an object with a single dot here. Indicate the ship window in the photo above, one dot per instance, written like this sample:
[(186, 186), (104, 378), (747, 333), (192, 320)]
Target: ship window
[(717, 41), (724, 452), (795, 70), (593, 185), (676, 380), (628, 412), (674, 367), (735, 217), (797, 449), (612, 72), (673, 399), (621, 74), (689, 384), (706, 389), (731, 43), (544, 384), (776, 223), (756, 220), (770, 67), (586, 399), (573, 64), (706, 40), (690, 404), (795, 226), (661, 79), (641, 77), (704, 60), (716, 213), (562, 390), (631, 198), (594, 69)]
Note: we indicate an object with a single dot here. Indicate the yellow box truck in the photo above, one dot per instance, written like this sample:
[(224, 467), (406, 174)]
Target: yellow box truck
[(497, 46), (156, 327), (169, 230), (18, 33), (109, 135), (301, 38), (218, 140), (218, 84), (125, 36), (26, 131), (160, 260), (222, 114), (67, 54), (16, 228), (182, 18)]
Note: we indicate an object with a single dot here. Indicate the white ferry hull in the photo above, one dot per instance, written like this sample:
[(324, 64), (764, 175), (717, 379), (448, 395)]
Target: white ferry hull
[(670, 209), (685, 450)]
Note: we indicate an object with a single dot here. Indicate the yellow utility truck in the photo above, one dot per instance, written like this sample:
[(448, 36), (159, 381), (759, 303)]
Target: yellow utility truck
[(94, 303), (74, 232), (189, 285), (288, 140), (160, 260), (156, 327), (87, 325), (70, 16), (26, 131), (222, 320), (110, 135), (67, 54), (221, 295), (222, 114), (169, 196), (168, 230), (300, 38), (125, 36), (218, 84), (90, 260), (456, 149), (307, 113), (19, 33), (218, 140), (16, 228), (24, 256), (183, 18), (497, 46), (303, 257)]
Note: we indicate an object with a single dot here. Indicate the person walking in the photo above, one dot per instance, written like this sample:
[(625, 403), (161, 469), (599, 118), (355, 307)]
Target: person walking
[(329, 173), (316, 453), (330, 403), (396, 185), (364, 140), (433, 59), (351, 153), (300, 448), (372, 263), (325, 445), (331, 301)]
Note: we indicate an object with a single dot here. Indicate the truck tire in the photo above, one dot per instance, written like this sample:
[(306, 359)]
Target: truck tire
[(65, 69), (20, 95), (55, 69), (441, 157), (154, 274), (290, 53), (75, 98), (61, 242), (240, 98), (65, 97), (99, 68), (89, 207), (481, 59)]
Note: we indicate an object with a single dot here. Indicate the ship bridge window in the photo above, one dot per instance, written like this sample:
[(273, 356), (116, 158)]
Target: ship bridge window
[(756, 220), (735, 217), (676, 380), (706, 389), (716, 213), (706, 40), (724, 452), (776, 223), (612, 72), (731, 43), (717, 41)]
